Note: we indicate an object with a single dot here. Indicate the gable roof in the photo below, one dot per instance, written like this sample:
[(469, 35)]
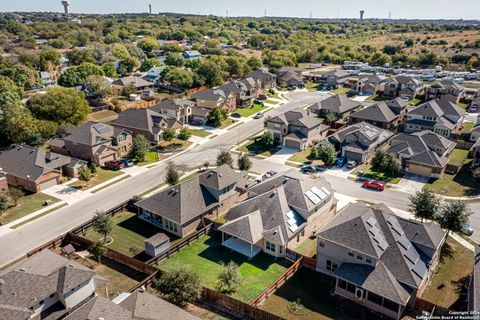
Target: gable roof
[(338, 103), (438, 108), (145, 119), (210, 95), (173, 104), (379, 112), (299, 118), (366, 134), (137, 82), (91, 133), (261, 75)]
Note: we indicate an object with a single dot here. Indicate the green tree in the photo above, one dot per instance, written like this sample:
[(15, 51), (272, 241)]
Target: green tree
[(77, 57), (172, 176), (15, 193), (128, 65), (99, 250), (393, 164), (84, 174), (254, 63), (49, 60), (148, 44), (229, 279), (10, 93), (129, 89), (168, 134), (454, 216), (184, 134), (140, 147), (3, 204), (330, 117), (97, 87), (179, 286), (267, 139), (327, 154), (244, 163), (379, 161), (109, 70), (177, 77), (217, 116), (314, 152), (103, 224), (211, 73), (224, 157), (150, 63), (424, 204), (77, 75), (476, 174), (174, 59)]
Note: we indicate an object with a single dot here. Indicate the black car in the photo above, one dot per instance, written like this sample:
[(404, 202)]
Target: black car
[(236, 115)]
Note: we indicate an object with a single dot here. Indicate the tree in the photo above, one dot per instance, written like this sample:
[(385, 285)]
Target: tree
[(60, 105), (97, 87), (150, 63), (330, 117), (184, 134), (140, 147), (172, 175), (128, 65), (10, 93), (229, 279), (177, 77), (217, 117), (15, 194), (99, 250), (179, 286), (314, 152), (244, 163), (168, 134), (148, 44), (476, 174), (267, 139), (379, 161), (103, 224), (3, 204), (76, 57), (206, 164), (409, 43), (211, 73), (327, 154), (393, 164), (174, 59), (128, 89), (109, 70), (454, 216), (84, 174), (254, 63), (424, 204), (224, 157), (78, 75)]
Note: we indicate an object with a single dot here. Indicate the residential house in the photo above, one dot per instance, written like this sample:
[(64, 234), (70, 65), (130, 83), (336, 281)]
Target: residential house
[(245, 90), (423, 153), (341, 106), (45, 284), (405, 87), (267, 80), (290, 77), (191, 54), (180, 109), (475, 104), (440, 116), (145, 122), (46, 79), (334, 79), (137, 82), (212, 98), (154, 74), (97, 143), (474, 134), (384, 114), (279, 214), (296, 129), (378, 259), (359, 141), (180, 209), (445, 88), (200, 115), (32, 169)]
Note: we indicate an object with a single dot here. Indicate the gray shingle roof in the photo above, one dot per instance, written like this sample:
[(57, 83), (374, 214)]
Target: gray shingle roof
[(379, 112), (362, 133), (298, 117), (137, 82), (173, 104), (338, 103), (145, 119)]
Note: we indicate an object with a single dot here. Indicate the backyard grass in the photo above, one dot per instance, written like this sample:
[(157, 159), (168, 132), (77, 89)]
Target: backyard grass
[(445, 285), (467, 127), (458, 157), (310, 86), (462, 105), (340, 90), (312, 291), (26, 205), (206, 255), (247, 112), (102, 116), (308, 248), (150, 157), (377, 97), (374, 175), (255, 147), (414, 102), (199, 133), (459, 185), (102, 175)]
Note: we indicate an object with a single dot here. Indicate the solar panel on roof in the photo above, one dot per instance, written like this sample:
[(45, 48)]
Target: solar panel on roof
[(420, 269), (404, 242), (391, 220), (374, 231), (312, 197), (412, 255), (371, 221), (319, 193), (327, 192), (101, 128), (383, 244), (397, 229), (293, 228)]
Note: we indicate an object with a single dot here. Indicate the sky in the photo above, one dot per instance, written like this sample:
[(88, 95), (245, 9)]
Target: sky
[(409, 9)]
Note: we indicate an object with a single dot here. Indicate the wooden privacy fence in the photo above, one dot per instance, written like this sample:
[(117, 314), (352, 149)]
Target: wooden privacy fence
[(424, 305)]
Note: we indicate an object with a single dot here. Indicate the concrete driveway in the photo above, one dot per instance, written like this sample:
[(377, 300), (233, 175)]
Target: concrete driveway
[(66, 193), (283, 154), (412, 183)]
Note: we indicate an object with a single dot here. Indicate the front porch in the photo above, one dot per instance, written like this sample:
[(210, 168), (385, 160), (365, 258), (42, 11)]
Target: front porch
[(243, 247)]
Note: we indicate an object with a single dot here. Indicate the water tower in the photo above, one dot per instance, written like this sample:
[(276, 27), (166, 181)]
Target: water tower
[(65, 4), (361, 14)]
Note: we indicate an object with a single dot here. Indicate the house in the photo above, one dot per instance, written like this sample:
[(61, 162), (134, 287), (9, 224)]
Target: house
[(378, 259), (212, 98), (137, 82), (296, 129), (97, 143), (192, 54), (32, 169), (200, 115), (46, 79), (245, 90), (366, 85), (423, 153), (474, 134), (334, 79), (445, 88), (384, 114), (145, 122), (137, 305), (45, 283), (154, 74), (440, 116), (180, 109), (267, 80), (279, 214), (405, 87), (359, 141), (341, 106), (290, 77), (180, 209)]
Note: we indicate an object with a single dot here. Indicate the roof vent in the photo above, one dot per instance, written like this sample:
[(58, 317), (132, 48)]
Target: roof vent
[(220, 175), (22, 269), (142, 289), (286, 180)]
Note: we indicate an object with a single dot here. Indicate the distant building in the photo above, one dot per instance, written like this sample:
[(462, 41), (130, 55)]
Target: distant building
[(192, 54)]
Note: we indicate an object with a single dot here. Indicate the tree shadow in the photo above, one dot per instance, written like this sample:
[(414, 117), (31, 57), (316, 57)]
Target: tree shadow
[(461, 288), (464, 177), (446, 252)]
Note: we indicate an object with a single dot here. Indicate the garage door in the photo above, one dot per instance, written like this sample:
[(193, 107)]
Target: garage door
[(48, 184), (422, 171), (353, 156), (292, 144), (106, 159)]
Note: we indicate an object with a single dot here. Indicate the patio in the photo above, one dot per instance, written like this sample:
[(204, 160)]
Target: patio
[(242, 247)]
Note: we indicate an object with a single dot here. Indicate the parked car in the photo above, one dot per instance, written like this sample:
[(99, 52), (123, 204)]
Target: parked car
[(351, 164), (259, 115), (321, 168), (467, 229), (236, 115), (374, 184), (258, 102), (340, 162), (269, 174), (308, 169), (128, 163), (262, 96), (115, 165)]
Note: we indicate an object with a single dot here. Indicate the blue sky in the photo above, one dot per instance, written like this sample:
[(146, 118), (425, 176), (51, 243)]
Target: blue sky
[(418, 9)]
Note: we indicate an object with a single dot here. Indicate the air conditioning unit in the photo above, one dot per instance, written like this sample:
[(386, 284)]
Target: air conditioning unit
[(359, 293)]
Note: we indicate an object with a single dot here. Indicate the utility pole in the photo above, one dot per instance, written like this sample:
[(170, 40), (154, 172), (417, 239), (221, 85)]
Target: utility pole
[(150, 8), (265, 12)]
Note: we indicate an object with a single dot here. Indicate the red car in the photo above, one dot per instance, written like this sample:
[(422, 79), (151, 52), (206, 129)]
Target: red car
[(373, 184)]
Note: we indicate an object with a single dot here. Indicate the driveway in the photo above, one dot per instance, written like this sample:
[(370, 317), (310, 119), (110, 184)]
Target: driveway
[(283, 154), (66, 193), (412, 183)]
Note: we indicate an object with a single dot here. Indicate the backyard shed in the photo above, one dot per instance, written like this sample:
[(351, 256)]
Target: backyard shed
[(157, 244)]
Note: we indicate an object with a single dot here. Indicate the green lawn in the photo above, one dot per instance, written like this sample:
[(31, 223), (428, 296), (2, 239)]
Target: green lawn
[(459, 185), (257, 148), (301, 156), (199, 133), (308, 248), (271, 102), (206, 255), (310, 86), (454, 268), (382, 176), (150, 157), (464, 106), (467, 127), (247, 112), (415, 102), (458, 157), (102, 175), (275, 95), (26, 205), (377, 97), (102, 116), (341, 90), (227, 122)]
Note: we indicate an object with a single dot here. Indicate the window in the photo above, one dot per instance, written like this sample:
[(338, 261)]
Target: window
[(388, 304), (321, 244), (342, 284), (351, 287), (331, 266), (375, 298), (280, 249), (170, 225), (368, 260), (270, 246), (359, 257), (351, 253)]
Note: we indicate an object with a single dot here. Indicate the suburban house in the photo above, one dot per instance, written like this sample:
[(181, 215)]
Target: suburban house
[(267, 80), (200, 115), (445, 88), (154, 74), (475, 104), (337, 104), (440, 116), (296, 129), (384, 114), (145, 122), (32, 169), (45, 79), (137, 82), (180, 109), (279, 214), (405, 87), (423, 153), (180, 209), (245, 90), (378, 259), (290, 77), (474, 134), (45, 283), (334, 79), (191, 54), (3, 182), (94, 142), (359, 141), (138, 305), (212, 98)]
